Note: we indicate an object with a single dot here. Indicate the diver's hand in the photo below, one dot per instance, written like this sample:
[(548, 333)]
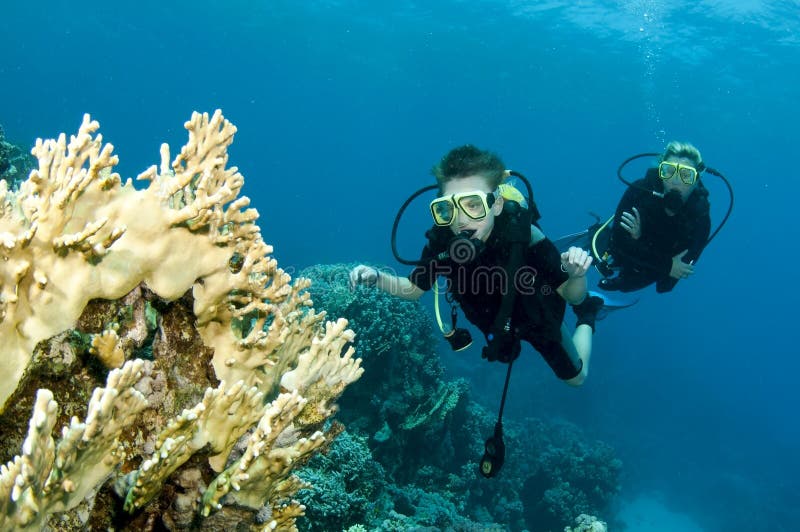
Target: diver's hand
[(361, 274), (680, 269), (576, 262), (632, 223)]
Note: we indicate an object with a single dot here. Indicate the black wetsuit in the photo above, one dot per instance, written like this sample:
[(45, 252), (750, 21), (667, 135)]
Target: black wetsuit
[(479, 285), (649, 259)]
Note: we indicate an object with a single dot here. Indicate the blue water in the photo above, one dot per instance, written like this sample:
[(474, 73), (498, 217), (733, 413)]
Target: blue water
[(343, 106)]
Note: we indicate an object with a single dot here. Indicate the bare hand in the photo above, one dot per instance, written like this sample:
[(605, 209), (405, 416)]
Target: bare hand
[(632, 223), (576, 261), (680, 269), (361, 274)]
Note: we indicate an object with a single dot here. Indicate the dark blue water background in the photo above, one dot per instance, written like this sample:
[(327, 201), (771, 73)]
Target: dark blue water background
[(342, 108)]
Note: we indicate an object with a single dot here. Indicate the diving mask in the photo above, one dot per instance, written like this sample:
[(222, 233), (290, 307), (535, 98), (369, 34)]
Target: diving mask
[(687, 174), (474, 204)]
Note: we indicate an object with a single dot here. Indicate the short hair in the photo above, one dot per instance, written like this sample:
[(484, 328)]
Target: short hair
[(685, 150), (468, 160)]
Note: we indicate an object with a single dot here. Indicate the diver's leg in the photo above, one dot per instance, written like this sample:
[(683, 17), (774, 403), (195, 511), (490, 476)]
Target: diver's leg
[(579, 347), (580, 343)]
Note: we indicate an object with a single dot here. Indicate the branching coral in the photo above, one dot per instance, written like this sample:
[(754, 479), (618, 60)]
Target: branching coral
[(440, 404), (73, 235), (46, 478)]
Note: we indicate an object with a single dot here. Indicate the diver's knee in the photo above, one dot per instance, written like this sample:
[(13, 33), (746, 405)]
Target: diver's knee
[(578, 379)]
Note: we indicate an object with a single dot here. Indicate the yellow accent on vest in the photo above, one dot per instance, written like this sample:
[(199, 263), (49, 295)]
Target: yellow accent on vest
[(510, 192)]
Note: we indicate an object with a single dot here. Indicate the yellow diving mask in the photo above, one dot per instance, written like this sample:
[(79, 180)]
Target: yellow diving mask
[(687, 174), (474, 204)]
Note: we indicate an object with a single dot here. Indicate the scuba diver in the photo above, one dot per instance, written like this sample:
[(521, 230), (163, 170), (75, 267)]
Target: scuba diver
[(472, 245), (661, 224), (507, 277)]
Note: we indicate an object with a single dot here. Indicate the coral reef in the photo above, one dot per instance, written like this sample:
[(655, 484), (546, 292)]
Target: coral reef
[(208, 374), (353, 489), (410, 401), (348, 483), (572, 477), (587, 523), (15, 162)]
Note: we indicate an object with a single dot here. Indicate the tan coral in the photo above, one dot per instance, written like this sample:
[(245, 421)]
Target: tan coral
[(47, 478), (436, 408), (74, 232), (79, 226), (283, 517), (258, 475), (219, 420), (322, 374), (106, 347)]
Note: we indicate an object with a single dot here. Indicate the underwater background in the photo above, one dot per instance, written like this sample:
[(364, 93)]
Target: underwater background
[(343, 106)]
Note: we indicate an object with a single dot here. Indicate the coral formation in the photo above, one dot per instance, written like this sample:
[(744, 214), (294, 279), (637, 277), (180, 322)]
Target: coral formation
[(15, 163), (226, 377), (409, 400), (348, 483), (587, 523), (572, 477)]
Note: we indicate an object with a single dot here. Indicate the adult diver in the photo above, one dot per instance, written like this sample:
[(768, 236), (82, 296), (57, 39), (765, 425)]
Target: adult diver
[(661, 225)]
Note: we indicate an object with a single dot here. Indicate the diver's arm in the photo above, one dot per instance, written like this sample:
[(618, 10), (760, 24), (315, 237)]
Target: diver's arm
[(623, 240), (400, 287), (629, 249), (683, 263), (397, 286), (699, 237), (576, 262), (573, 290)]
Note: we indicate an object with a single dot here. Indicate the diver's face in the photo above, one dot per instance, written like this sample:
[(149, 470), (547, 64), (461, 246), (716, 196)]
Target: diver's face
[(675, 183), (482, 228)]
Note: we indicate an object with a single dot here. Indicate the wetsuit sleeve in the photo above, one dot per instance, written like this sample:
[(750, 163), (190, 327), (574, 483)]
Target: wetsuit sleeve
[(545, 259), (424, 275), (701, 227), (624, 246)]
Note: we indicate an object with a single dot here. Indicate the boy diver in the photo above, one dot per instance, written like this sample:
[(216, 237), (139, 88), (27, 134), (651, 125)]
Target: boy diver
[(509, 279)]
